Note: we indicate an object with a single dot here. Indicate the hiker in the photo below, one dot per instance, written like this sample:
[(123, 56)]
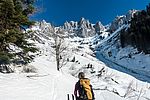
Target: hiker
[(83, 89)]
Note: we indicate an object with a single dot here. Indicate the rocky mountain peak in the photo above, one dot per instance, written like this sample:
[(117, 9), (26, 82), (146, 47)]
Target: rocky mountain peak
[(99, 27), (70, 25), (130, 14), (82, 28), (120, 20), (83, 23)]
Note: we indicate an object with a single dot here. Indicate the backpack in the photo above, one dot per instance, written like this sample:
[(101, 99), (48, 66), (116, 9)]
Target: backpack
[(85, 91)]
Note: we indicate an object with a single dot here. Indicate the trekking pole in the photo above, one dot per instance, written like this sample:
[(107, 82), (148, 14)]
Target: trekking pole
[(72, 97), (68, 96)]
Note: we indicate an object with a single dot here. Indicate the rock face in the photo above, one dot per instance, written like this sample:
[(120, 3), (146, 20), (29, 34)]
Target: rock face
[(70, 25), (83, 28), (99, 27), (138, 34), (120, 20), (44, 27)]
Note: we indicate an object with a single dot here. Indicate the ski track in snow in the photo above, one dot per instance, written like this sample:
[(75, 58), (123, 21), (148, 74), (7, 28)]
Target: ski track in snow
[(53, 90)]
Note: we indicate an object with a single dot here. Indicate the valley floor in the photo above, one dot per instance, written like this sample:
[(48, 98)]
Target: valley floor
[(50, 84)]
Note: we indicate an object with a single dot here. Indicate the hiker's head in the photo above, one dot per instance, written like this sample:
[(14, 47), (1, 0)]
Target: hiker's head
[(81, 75)]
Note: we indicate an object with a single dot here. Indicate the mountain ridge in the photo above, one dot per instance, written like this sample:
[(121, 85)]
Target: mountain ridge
[(106, 42)]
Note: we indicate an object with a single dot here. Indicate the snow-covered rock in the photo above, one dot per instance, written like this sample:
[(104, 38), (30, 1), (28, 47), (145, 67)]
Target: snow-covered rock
[(121, 20)]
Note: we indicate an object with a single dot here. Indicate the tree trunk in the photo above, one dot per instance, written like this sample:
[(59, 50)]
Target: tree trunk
[(57, 60)]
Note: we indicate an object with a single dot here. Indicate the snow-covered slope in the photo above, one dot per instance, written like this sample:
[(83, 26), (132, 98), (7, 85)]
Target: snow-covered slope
[(49, 84), (116, 73), (127, 59)]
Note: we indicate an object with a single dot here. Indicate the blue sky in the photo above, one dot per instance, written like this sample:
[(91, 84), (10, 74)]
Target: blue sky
[(59, 11)]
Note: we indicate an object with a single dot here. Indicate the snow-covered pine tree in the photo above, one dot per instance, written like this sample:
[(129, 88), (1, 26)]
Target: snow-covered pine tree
[(14, 15)]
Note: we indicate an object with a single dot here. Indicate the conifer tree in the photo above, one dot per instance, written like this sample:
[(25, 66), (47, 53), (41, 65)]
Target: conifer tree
[(138, 35), (14, 15)]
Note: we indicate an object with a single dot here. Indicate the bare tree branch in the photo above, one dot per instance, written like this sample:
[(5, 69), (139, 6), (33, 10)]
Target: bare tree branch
[(59, 48)]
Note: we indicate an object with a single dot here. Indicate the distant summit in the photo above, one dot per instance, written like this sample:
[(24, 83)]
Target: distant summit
[(83, 28)]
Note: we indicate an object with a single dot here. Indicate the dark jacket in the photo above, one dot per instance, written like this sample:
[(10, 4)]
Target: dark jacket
[(78, 91)]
